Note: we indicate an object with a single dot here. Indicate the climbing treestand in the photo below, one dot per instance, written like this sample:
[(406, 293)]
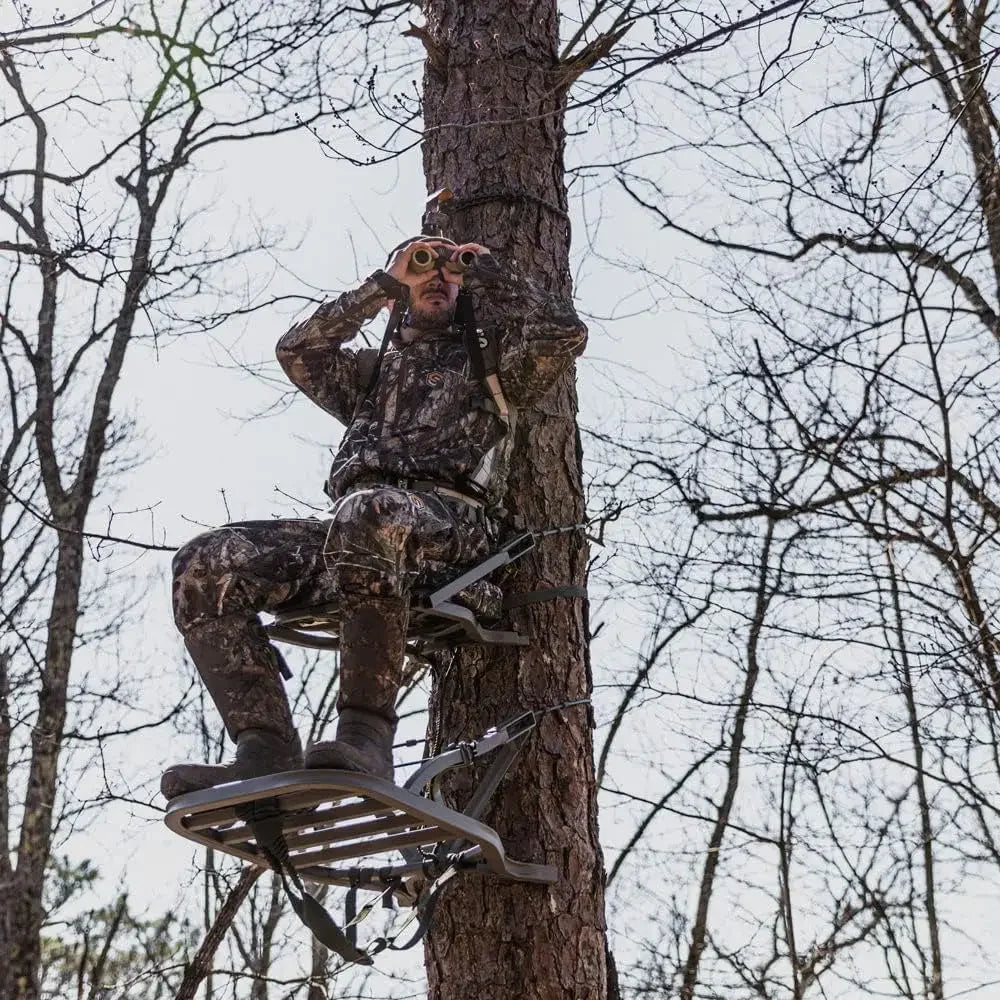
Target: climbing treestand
[(365, 834)]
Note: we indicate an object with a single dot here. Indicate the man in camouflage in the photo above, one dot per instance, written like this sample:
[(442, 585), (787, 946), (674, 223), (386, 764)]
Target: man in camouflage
[(420, 468)]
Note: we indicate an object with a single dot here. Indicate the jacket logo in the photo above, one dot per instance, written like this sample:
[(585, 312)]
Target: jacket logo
[(434, 378)]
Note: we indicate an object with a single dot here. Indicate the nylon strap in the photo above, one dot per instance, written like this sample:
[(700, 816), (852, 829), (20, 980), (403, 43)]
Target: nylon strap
[(423, 912), (351, 915), (466, 315), (482, 351), (515, 729), (399, 306), (537, 596), (264, 819)]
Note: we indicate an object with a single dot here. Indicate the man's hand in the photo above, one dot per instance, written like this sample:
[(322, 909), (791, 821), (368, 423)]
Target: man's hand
[(426, 285), (458, 277), (399, 267)]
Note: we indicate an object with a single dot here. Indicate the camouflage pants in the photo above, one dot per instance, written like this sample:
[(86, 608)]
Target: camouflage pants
[(375, 545)]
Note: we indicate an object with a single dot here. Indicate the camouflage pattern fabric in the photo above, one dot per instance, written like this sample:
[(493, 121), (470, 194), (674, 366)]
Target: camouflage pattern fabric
[(221, 580), (377, 541), (250, 566), (311, 356), (376, 545), (372, 645), (428, 418), (383, 539), (240, 669)]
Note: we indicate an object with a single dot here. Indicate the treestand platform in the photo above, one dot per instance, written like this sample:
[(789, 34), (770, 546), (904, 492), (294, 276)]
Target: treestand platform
[(348, 829), (343, 828)]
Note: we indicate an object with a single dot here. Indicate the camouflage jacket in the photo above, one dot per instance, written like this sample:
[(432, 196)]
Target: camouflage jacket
[(427, 417)]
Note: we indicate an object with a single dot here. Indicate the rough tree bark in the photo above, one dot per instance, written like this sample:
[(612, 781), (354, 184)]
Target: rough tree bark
[(495, 135)]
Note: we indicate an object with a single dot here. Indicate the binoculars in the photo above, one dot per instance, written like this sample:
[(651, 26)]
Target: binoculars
[(423, 259)]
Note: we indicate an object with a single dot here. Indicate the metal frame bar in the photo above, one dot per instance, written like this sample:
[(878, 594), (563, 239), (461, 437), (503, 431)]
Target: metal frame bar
[(299, 626), (197, 815), (445, 625)]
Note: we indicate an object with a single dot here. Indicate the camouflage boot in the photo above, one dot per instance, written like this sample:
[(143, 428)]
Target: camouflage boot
[(240, 669), (372, 645)]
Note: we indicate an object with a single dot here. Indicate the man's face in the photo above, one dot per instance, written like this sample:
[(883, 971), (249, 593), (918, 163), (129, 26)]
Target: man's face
[(432, 302)]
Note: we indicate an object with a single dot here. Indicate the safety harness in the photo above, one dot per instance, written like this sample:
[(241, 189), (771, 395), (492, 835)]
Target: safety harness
[(484, 366)]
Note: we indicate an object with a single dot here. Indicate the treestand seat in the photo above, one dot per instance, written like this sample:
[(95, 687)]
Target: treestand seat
[(463, 619), (441, 617)]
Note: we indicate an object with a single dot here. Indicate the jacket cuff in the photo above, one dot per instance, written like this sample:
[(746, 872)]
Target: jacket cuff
[(393, 289)]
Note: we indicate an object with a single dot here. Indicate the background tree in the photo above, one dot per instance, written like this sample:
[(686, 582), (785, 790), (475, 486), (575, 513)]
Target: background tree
[(503, 87), (846, 416), (86, 953), (98, 257)]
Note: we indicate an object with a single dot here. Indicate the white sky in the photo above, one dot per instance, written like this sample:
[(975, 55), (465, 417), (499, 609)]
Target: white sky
[(192, 406)]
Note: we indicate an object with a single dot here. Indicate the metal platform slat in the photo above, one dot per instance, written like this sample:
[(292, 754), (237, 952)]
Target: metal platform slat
[(430, 822), (305, 820), (371, 848), (226, 815), (354, 831), (358, 840)]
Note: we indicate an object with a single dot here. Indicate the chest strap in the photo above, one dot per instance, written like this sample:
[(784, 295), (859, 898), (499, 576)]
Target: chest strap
[(482, 351)]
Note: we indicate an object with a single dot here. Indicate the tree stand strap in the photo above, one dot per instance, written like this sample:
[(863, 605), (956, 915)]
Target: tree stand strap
[(547, 594), (263, 816)]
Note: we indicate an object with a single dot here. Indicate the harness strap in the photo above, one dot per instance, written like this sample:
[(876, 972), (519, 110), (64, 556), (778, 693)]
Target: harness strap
[(416, 485), (399, 306), (484, 364)]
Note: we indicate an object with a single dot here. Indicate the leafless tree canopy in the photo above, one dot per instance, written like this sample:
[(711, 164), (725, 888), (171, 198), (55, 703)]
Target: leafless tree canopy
[(100, 256), (821, 519), (797, 747)]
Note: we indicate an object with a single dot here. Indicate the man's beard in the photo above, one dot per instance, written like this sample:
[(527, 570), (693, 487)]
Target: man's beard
[(430, 317)]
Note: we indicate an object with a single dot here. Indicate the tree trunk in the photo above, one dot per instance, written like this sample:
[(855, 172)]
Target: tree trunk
[(24, 910), (495, 62)]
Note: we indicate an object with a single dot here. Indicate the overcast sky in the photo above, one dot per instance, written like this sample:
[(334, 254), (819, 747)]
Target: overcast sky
[(202, 435), (215, 446)]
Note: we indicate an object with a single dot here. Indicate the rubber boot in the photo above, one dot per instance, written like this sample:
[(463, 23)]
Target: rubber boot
[(240, 669), (372, 645)]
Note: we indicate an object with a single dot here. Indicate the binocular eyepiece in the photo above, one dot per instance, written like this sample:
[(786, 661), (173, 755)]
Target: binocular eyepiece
[(423, 259)]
